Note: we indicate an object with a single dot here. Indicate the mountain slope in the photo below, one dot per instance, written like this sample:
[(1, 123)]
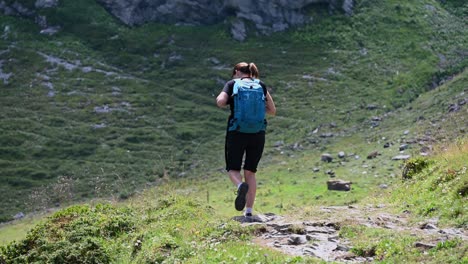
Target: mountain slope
[(100, 109)]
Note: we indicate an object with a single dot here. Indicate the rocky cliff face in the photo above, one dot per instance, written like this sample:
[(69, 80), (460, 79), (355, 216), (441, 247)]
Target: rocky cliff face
[(16, 8), (266, 15), (258, 16)]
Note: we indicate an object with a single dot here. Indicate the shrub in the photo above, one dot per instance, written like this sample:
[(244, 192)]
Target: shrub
[(78, 234), (414, 166)]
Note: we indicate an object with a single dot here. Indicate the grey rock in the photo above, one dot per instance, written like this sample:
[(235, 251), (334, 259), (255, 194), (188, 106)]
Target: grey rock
[(297, 239), (371, 107), (401, 157), (430, 8), (50, 31), (99, 126), (214, 60), (46, 3), (22, 10), (428, 226), (338, 185), (296, 146), (326, 135), (423, 245), (404, 147), (278, 144), (3, 75), (256, 219), (175, 57), (342, 248), (326, 157), (454, 108), (266, 16), (363, 51), (41, 21), (102, 109), (18, 216), (348, 6), (374, 124), (373, 155)]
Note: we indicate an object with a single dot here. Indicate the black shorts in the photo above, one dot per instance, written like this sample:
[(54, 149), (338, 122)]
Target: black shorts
[(238, 144)]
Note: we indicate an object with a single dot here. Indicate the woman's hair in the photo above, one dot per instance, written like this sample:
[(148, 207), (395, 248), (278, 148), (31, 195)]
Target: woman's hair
[(247, 68)]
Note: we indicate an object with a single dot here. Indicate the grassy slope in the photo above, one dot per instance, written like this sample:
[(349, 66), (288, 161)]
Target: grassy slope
[(152, 132), (168, 225), (47, 137)]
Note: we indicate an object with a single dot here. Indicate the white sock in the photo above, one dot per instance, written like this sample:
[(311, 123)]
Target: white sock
[(248, 210)]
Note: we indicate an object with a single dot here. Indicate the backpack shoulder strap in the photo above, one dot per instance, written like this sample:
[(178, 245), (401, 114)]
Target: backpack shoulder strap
[(263, 86), (264, 89), (235, 87)]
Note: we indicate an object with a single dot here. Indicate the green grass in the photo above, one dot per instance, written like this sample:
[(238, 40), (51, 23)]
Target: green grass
[(175, 223), (16, 231), (163, 120), (147, 120), (439, 189), (388, 246), (153, 229)]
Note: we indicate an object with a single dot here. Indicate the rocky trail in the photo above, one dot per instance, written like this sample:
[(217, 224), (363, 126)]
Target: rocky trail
[(319, 235)]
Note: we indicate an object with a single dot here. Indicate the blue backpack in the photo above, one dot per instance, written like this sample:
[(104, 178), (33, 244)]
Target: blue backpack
[(249, 106)]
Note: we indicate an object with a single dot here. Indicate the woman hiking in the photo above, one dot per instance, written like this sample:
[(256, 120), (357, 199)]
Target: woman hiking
[(249, 101)]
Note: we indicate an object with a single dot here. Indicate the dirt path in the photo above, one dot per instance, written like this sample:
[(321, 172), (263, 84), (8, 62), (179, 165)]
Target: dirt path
[(319, 236)]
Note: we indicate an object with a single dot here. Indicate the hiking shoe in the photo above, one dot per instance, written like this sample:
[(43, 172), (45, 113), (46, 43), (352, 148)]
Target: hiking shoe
[(248, 215), (241, 196)]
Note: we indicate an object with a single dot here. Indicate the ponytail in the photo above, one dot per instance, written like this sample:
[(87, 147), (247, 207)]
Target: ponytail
[(247, 68), (253, 70)]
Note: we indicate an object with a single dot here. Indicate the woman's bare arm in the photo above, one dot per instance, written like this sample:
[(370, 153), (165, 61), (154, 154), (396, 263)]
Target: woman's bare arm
[(270, 105), (222, 99)]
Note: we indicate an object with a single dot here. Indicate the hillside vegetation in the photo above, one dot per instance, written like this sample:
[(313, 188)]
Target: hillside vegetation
[(165, 227), (104, 110)]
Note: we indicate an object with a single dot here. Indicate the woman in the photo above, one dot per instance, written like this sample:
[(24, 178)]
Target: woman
[(239, 144)]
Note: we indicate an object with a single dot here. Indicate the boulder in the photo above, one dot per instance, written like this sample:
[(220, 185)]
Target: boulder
[(341, 155), (404, 147), (326, 157), (373, 155), (338, 185), (18, 216), (297, 239)]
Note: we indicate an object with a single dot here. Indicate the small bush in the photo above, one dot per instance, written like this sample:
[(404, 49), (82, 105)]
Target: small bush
[(78, 234), (447, 244), (414, 166)]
